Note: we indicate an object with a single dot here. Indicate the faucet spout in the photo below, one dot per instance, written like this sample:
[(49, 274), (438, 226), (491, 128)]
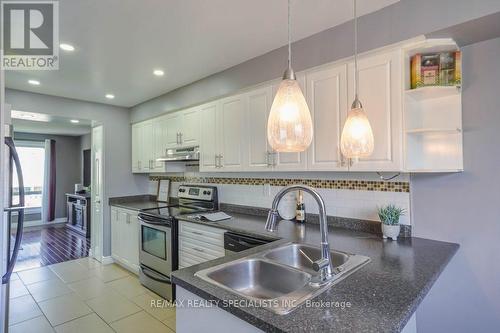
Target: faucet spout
[(324, 265)]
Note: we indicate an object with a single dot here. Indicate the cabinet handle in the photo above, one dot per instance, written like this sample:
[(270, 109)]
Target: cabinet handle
[(180, 138), (140, 165), (198, 249), (216, 161), (197, 233), (220, 160)]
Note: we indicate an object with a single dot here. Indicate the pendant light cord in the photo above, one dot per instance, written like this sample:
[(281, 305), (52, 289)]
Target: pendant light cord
[(289, 36), (356, 75)]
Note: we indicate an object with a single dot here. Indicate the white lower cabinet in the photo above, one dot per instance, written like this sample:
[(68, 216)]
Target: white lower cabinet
[(125, 238), (199, 243)]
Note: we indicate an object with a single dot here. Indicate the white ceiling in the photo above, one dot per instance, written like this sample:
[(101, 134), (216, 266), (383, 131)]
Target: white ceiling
[(30, 122), (119, 42)]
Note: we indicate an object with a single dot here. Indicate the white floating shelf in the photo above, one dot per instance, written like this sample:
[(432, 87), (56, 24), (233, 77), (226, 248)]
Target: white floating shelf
[(433, 130), (433, 92)]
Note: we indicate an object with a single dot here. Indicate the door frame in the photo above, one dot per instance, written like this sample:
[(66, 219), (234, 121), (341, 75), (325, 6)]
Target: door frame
[(4, 295), (97, 231)]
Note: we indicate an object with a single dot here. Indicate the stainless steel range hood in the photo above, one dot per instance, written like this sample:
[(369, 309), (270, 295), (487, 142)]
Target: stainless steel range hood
[(184, 154)]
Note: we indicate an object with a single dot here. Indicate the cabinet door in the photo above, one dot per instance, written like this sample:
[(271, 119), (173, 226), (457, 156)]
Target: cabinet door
[(159, 142), (174, 128), (380, 90), (327, 100), (290, 161), (191, 127), (258, 106), (233, 135), (115, 234), (136, 148), (131, 236), (209, 138), (146, 147)]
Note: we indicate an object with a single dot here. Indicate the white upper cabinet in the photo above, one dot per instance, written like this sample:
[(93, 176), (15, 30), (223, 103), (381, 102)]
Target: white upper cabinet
[(173, 130), (232, 144), (209, 155), (190, 132), (380, 91), (142, 147), (136, 146), (327, 100), (290, 161), (259, 155), (232, 131)]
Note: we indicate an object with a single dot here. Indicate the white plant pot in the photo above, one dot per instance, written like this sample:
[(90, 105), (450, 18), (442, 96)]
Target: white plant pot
[(390, 231)]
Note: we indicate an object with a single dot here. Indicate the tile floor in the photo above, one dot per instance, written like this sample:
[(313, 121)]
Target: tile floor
[(84, 296)]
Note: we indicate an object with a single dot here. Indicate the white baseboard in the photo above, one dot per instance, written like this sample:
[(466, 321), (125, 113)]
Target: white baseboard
[(39, 223), (107, 260)]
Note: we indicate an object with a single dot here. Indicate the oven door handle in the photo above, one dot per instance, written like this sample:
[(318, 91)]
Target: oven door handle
[(142, 219), (158, 279)]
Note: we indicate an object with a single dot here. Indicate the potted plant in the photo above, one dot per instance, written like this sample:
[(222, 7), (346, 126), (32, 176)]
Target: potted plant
[(389, 216)]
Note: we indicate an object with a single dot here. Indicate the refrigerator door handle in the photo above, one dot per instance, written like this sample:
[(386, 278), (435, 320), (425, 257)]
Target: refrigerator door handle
[(20, 217)]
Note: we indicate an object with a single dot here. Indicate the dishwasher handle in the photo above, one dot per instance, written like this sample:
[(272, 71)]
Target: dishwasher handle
[(237, 242)]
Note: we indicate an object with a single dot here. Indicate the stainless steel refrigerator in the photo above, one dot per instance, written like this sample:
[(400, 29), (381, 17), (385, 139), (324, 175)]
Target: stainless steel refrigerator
[(9, 246)]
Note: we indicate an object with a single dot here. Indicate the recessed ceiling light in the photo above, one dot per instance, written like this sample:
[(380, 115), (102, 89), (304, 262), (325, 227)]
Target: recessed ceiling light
[(34, 82), (67, 47), (158, 72), (110, 96), (75, 121)]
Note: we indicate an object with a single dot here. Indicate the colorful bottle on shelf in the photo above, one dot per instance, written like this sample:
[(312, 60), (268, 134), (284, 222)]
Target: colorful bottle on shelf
[(300, 212)]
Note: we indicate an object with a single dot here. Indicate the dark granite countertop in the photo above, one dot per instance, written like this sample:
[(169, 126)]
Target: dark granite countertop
[(383, 294), (137, 202)]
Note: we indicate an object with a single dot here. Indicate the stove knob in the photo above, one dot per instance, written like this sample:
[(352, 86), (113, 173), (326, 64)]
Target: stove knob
[(206, 192)]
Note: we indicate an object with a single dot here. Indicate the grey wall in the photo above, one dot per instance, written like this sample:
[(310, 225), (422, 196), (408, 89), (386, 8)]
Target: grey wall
[(85, 143), (67, 165), (465, 208), (403, 20), (118, 177)]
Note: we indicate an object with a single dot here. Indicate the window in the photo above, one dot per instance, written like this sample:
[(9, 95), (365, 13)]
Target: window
[(32, 158)]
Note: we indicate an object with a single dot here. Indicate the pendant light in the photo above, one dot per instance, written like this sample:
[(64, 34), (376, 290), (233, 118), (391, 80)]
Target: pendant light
[(289, 126), (357, 136)]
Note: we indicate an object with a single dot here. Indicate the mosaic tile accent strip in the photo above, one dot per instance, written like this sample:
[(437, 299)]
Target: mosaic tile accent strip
[(360, 185)]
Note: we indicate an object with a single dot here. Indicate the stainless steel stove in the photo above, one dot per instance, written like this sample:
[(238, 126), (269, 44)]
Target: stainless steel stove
[(159, 236)]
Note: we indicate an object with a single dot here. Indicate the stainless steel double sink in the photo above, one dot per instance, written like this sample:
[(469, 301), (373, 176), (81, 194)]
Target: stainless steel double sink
[(280, 279)]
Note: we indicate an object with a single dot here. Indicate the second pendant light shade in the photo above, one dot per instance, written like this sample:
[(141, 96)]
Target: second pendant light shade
[(357, 136), (289, 127)]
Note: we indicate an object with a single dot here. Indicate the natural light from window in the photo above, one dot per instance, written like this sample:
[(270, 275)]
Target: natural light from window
[(32, 158)]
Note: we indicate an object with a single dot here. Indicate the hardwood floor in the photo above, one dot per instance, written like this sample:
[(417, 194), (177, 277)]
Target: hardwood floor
[(49, 246)]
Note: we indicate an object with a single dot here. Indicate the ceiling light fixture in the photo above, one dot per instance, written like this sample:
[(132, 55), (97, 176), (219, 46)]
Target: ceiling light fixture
[(110, 96), (289, 126), (34, 82), (75, 121), (357, 136), (67, 47), (158, 72)]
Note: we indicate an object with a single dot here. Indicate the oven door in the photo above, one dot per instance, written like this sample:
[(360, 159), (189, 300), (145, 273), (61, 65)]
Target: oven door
[(155, 243)]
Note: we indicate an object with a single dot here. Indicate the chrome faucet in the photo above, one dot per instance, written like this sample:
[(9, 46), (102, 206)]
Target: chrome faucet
[(323, 265)]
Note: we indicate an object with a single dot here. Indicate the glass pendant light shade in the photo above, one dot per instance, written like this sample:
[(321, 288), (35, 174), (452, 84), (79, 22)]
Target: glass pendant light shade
[(289, 126), (357, 136)]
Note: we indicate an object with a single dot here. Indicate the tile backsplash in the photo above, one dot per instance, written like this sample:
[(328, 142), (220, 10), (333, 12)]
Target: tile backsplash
[(353, 198)]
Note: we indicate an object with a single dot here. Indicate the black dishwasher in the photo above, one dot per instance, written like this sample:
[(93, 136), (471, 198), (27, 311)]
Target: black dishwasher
[(234, 242)]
